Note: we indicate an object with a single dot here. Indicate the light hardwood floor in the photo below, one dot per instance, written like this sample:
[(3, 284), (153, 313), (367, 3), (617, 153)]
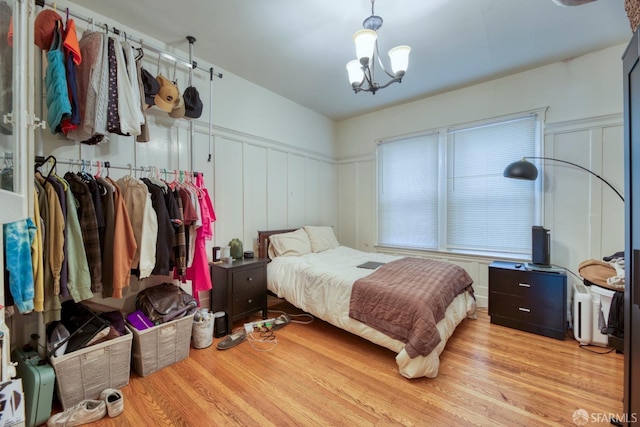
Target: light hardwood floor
[(319, 375)]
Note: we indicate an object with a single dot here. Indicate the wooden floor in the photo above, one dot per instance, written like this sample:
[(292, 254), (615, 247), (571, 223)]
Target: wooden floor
[(318, 375)]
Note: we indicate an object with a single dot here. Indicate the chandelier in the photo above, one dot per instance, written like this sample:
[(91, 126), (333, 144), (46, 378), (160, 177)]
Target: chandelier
[(362, 70)]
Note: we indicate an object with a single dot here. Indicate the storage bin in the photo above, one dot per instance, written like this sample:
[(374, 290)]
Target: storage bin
[(84, 374), (160, 346)]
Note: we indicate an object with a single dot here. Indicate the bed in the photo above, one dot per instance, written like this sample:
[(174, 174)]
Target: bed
[(312, 271)]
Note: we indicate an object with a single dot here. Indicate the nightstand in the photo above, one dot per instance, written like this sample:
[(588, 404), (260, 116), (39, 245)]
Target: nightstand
[(239, 288), (529, 300)]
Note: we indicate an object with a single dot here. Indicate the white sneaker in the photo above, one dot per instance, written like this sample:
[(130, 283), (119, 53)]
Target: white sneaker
[(114, 400), (84, 412)]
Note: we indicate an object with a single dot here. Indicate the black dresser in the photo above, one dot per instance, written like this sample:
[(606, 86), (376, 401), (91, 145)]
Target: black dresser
[(529, 300)]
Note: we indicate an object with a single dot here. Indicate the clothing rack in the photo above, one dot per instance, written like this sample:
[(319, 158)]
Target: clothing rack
[(42, 160), (191, 64)]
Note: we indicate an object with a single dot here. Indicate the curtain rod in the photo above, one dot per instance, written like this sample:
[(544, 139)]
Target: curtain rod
[(41, 160), (170, 56)]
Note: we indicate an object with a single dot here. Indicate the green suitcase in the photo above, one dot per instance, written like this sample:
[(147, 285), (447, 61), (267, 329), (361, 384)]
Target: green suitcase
[(38, 380)]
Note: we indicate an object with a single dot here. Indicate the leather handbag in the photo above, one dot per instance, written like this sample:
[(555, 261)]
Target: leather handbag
[(165, 302)]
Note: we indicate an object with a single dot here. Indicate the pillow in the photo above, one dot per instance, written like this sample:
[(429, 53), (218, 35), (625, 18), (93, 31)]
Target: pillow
[(321, 238), (294, 243)]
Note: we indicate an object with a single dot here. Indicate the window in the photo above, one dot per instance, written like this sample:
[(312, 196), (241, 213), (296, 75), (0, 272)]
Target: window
[(445, 190)]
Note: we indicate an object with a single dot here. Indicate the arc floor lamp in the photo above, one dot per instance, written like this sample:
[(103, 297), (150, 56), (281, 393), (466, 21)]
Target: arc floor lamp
[(522, 169)]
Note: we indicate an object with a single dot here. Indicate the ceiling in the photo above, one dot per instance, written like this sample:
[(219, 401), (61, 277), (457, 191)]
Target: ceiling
[(299, 49)]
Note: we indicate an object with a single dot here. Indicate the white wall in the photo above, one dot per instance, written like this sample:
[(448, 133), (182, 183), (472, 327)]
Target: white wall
[(583, 125)]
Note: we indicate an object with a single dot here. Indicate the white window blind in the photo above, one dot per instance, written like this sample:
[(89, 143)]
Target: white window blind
[(408, 192), (469, 206), (486, 211)]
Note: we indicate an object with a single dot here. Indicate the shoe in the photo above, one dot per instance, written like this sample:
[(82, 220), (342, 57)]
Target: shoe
[(114, 400), (232, 340), (84, 412), (281, 321)]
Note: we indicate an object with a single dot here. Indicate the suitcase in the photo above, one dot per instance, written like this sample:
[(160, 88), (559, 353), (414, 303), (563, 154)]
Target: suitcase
[(38, 379)]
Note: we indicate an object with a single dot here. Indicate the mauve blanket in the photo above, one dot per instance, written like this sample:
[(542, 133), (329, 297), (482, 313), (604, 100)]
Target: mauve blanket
[(406, 298)]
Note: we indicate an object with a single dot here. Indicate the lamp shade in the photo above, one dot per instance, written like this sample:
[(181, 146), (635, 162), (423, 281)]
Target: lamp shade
[(356, 75), (521, 169), (365, 41), (399, 57)]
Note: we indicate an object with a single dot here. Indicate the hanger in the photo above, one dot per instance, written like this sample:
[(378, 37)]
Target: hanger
[(48, 159), (140, 53)]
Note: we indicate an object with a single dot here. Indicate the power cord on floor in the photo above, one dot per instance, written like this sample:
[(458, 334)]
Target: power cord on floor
[(262, 339), (293, 317), (586, 347)]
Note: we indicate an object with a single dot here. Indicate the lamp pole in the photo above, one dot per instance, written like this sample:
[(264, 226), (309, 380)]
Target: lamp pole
[(583, 168)]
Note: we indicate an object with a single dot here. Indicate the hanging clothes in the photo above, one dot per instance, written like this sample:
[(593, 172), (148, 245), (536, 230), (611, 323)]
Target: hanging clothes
[(198, 273), (89, 87), (165, 233), (53, 220), (79, 282), (37, 249), (124, 243), (18, 238), (64, 268), (128, 110), (88, 224), (144, 222), (58, 104), (73, 58)]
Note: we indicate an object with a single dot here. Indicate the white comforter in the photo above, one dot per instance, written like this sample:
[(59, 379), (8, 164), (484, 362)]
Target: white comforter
[(320, 284)]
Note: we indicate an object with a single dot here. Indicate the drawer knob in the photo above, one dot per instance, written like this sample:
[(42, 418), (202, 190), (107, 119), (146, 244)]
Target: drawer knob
[(249, 279), (526, 310), (249, 300), (524, 285)]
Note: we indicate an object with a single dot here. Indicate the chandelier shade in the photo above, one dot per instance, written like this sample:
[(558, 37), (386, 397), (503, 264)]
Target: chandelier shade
[(365, 41), (399, 57), (361, 71), (356, 75)]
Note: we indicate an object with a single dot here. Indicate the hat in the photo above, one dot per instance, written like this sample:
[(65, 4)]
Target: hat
[(178, 110), (44, 26), (192, 103), (151, 87), (167, 97)]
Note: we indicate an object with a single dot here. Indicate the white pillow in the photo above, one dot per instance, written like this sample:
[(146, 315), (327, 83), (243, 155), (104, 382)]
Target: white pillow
[(321, 237), (294, 243)]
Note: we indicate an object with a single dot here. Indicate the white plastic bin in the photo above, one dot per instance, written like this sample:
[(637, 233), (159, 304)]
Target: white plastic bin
[(202, 333)]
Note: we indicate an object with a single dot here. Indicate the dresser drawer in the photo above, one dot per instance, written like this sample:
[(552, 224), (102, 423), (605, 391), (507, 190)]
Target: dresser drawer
[(247, 280), (546, 287), (248, 302), (524, 310)]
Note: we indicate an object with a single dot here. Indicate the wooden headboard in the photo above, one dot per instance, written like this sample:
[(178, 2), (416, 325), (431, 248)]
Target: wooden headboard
[(263, 240)]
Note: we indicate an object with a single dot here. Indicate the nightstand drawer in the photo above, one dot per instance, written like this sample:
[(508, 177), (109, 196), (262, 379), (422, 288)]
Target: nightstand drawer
[(248, 302), (543, 287), (524, 310), (248, 280)]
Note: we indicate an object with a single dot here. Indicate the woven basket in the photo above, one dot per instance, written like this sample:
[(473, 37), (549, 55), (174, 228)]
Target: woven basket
[(161, 346), (84, 374), (633, 12)]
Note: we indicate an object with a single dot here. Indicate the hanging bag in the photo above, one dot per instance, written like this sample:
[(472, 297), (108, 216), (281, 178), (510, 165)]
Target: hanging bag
[(165, 302)]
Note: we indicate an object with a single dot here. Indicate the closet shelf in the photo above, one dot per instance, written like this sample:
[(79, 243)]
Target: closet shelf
[(193, 65)]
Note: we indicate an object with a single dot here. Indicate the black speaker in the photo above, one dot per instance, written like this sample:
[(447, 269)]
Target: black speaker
[(540, 246)]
